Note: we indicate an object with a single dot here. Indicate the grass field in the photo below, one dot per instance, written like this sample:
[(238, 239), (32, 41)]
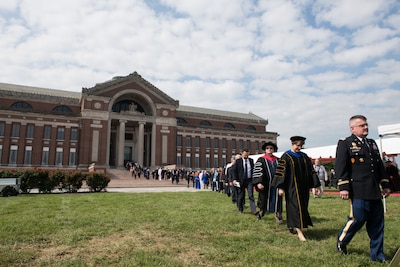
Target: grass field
[(173, 229)]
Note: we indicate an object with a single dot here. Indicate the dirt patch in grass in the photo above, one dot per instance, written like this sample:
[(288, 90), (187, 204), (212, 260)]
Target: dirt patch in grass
[(118, 246)]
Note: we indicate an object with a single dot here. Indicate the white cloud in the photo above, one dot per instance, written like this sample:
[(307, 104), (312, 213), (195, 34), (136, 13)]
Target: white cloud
[(291, 62)]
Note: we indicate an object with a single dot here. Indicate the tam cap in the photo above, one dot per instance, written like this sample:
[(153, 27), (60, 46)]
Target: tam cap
[(269, 144), (297, 138)]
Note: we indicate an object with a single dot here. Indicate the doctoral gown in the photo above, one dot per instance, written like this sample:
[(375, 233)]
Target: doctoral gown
[(296, 176), (264, 170)]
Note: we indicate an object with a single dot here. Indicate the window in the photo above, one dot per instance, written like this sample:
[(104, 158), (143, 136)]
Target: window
[(233, 144), (180, 121), (13, 155), (248, 146), (223, 160), (197, 161), (59, 154), (197, 141), (223, 143), (1, 152), (74, 134), (178, 159), (60, 133), (30, 129), (205, 123), (187, 141), (216, 163), (216, 145), (251, 128), (15, 130), (127, 105), (72, 157), (208, 142), (208, 163), (2, 126), (47, 132), (240, 145), (229, 126), (129, 136), (179, 140), (21, 106), (187, 160), (28, 155), (62, 109), (45, 156)]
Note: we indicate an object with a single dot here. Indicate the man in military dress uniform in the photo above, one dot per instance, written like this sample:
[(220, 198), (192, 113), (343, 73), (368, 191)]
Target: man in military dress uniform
[(361, 172)]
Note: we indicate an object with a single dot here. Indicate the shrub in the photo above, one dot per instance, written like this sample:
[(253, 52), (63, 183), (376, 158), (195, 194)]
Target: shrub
[(73, 181), (97, 181), (9, 191), (57, 178)]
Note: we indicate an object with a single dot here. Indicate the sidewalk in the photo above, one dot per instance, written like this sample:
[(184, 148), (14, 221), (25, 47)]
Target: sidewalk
[(132, 185)]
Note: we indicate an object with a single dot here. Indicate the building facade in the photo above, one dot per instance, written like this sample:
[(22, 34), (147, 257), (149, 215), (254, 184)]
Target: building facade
[(126, 118)]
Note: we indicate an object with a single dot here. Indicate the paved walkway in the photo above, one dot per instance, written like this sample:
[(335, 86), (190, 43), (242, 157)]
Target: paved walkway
[(130, 184)]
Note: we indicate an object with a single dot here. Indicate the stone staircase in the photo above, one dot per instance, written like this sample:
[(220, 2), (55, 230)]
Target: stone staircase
[(121, 178)]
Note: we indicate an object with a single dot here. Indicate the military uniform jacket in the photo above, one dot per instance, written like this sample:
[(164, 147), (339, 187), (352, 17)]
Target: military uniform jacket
[(360, 169)]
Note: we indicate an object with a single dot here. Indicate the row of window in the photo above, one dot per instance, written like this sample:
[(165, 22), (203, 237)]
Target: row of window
[(216, 142), (181, 121), (188, 161), (30, 131), (12, 160), (28, 107)]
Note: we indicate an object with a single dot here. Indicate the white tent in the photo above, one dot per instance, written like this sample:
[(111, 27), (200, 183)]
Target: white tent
[(387, 146), (391, 129)]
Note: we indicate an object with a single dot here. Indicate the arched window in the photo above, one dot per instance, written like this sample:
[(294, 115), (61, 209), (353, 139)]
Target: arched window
[(229, 126), (251, 128), (205, 123), (21, 106), (62, 109), (181, 121), (126, 105)]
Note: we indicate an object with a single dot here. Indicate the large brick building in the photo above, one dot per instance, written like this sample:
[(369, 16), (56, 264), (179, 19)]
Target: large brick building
[(126, 118)]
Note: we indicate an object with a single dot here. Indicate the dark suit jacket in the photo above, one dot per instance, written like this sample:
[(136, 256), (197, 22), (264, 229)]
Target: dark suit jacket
[(237, 170), (360, 169)]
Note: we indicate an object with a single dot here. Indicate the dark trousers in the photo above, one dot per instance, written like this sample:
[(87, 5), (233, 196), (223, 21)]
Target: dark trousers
[(241, 194), (371, 213)]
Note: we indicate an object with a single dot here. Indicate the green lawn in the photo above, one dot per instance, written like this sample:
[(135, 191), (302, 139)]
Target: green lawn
[(200, 228)]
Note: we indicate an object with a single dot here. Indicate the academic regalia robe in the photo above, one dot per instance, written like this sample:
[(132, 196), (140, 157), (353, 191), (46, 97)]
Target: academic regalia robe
[(296, 176)]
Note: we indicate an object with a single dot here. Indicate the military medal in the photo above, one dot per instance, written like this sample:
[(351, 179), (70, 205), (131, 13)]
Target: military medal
[(354, 148)]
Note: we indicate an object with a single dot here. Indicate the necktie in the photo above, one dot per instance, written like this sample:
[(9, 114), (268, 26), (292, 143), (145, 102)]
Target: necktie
[(365, 143), (245, 168)]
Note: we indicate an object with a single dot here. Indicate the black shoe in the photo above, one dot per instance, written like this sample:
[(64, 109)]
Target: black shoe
[(292, 231), (341, 248), (259, 215)]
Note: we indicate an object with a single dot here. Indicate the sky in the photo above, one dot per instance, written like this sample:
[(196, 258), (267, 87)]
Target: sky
[(305, 66)]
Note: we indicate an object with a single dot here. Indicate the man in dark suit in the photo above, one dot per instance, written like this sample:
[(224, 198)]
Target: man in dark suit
[(242, 174), (361, 172)]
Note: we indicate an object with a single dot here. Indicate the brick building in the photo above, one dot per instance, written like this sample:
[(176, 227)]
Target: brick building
[(126, 118)]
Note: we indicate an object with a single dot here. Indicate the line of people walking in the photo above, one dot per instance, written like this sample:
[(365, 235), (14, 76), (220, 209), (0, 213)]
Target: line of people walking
[(359, 174)]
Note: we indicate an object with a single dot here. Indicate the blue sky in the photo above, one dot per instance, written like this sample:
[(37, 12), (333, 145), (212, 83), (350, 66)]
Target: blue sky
[(306, 66)]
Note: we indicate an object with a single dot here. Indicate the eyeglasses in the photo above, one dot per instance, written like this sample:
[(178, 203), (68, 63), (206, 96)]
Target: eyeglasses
[(362, 125)]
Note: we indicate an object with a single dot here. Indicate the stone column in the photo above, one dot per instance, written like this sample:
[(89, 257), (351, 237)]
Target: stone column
[(121, 143), (153, 144), (140, 142)]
